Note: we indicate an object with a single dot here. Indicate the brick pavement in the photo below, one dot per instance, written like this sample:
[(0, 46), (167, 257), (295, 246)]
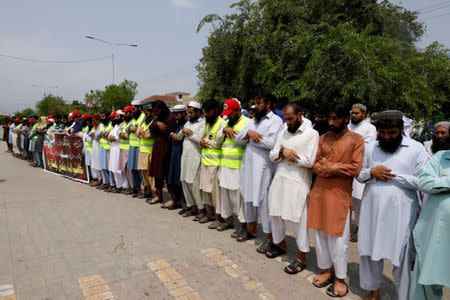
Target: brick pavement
[(60, 238)]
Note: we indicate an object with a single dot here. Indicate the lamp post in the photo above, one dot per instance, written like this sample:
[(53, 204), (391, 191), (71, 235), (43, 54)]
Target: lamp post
[(112, 45)]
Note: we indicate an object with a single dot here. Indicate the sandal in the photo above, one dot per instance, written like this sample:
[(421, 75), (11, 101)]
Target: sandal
[(198, 217), (295, 267), (190, 213), (168, 204), (224, 226), (174, 206), (330, 291), (206, 219), (182, 211), (245, 236), (153, 200), (324, 283), (264, 247), (214, 225), (275, 251)]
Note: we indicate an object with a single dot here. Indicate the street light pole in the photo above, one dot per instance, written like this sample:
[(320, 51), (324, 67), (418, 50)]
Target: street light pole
[(112, 45)]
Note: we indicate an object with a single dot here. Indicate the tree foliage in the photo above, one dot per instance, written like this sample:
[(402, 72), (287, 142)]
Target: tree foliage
[(25, 113), (325, 51), (51, 105), (112, 97)]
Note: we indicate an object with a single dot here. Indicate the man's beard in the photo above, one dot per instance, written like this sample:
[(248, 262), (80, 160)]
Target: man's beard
[(194, 119), (211, 120), (392, 145), (116, 122), (104, 121), (232, 121), (293, 129), (338, 129), (355, 121), (128, 118), (259, 114), (440, 144), (136, 114)]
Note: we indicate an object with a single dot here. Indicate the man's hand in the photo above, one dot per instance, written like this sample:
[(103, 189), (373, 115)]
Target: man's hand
[(229, 132), (187, 132), (123, 135), (290, 155), (161, 125), (111, 139), (203, 143), (174, 137), (254, 136), (382, 173), (132, 129)]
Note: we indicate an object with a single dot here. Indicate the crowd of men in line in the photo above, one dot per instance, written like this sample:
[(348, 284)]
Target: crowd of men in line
[(288, 173)]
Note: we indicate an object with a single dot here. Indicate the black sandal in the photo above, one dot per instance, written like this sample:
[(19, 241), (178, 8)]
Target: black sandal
[(264, 247), (275, 251), (295, 267), (245, 236), (324, 283), (330, 291), (224, 226)]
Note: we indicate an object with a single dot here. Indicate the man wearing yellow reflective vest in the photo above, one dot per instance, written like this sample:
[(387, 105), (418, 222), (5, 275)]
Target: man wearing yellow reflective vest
[(211, 145), (133, 152), (87, 142), (145, 151), (230, 164), (104, 147)]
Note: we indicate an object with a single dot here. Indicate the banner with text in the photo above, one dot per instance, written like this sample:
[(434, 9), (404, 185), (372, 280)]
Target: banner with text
[(63, 154)]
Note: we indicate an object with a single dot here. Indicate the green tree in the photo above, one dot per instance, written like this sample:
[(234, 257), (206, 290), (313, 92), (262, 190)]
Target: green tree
[(25, 113), (112, 97), (51, 105), (325, 51), (77, 105)]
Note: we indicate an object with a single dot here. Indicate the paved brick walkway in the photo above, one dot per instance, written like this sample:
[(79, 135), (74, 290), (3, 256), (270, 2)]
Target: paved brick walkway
[(60, 239)]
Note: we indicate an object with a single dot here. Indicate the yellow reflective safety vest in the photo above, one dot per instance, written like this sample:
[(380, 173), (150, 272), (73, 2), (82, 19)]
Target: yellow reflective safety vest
[(32, 131), (134, 140), (124, 144), (232, 152), (211, 157), (87, 143), (104, 142), (146, 144)]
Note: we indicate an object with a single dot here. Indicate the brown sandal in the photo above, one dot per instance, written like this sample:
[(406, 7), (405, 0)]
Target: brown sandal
[(154, 200)]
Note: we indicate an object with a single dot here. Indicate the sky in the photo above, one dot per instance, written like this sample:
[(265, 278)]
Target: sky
[(165, 30)]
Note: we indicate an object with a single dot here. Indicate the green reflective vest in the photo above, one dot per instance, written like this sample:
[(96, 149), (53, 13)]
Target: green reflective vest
[(87, 143), (232, 152), (32, 131), (146, 144), (124, 144), (104, 142), (211, 157), (134, 140)]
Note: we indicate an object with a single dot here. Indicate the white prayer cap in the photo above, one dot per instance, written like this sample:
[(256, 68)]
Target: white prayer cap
[(179, 108), (51, 120), (136, 102), (195, 104), (120, 112)]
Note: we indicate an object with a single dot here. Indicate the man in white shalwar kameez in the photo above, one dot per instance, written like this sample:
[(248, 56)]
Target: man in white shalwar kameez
[(257, 169), (359, 124), (389, 205), (120, 177), (295, 152), (191, 134)]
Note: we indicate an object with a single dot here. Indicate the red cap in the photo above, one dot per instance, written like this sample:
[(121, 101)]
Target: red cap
[(30, 120), (85, 116), (113, 115), (74, 114), (127, 109), (49, 117), (96, 116), (17, 119), (230, 105)]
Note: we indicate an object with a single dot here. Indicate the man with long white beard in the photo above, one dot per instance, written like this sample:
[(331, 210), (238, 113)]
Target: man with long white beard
[(389, 205)]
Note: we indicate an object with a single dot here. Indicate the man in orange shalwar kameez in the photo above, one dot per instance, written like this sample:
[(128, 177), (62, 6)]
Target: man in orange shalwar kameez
[(339, 160)]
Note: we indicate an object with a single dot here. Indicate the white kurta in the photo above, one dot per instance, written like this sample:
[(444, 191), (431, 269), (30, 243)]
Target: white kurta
[(292, 181), (191, 155), (257, 169), (114, 152), (369, 133), (388, 209)]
